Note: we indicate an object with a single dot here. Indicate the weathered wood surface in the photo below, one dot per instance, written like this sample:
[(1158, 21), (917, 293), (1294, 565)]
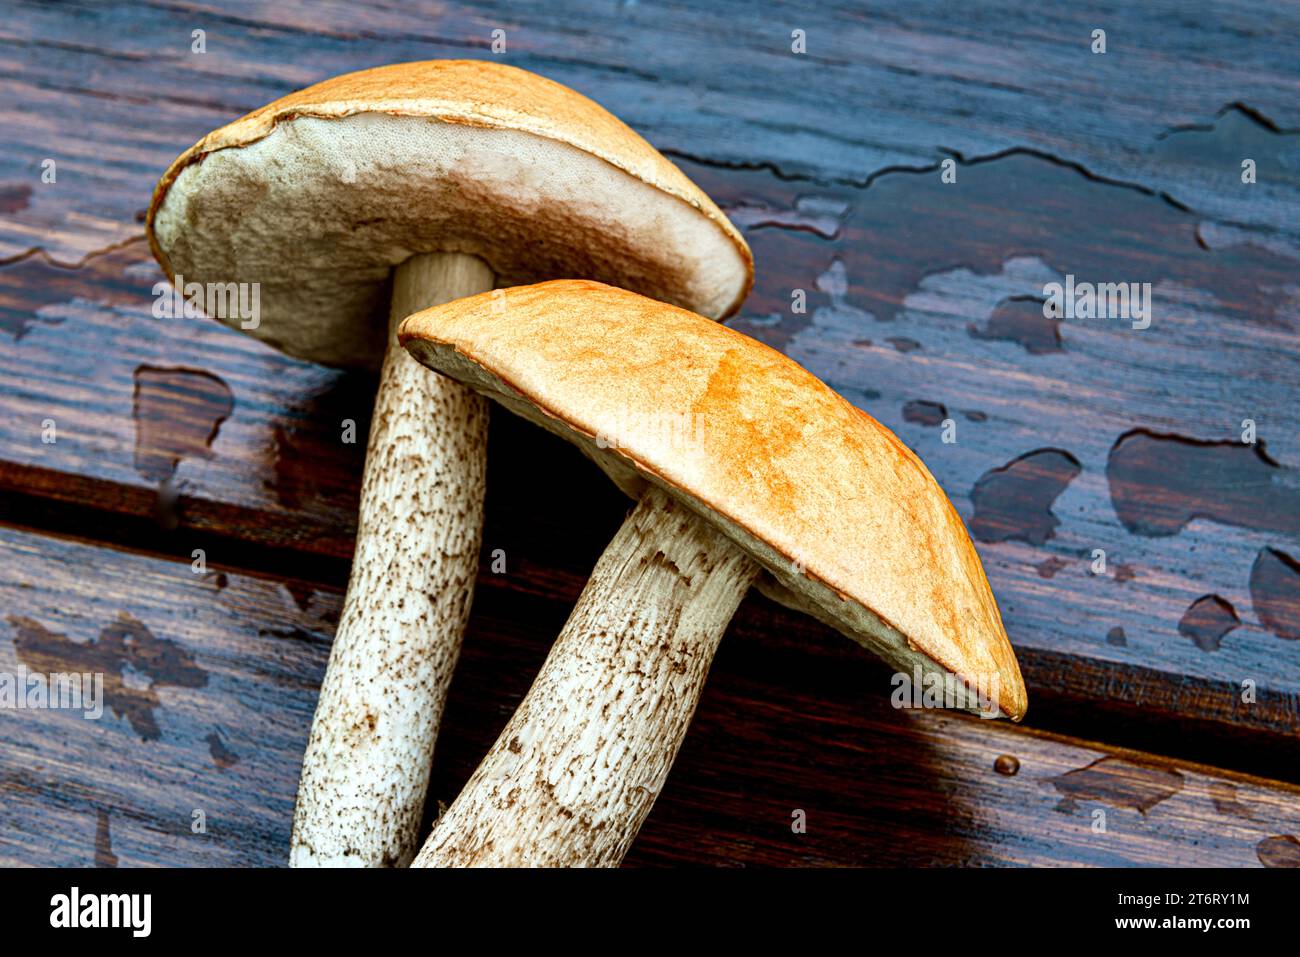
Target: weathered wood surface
[(210, 684), (1079, 434), (211, 681), (885, 86)]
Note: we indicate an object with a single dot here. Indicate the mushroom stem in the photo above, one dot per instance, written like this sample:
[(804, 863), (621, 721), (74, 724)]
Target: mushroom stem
[(576, 770), (366, 770)]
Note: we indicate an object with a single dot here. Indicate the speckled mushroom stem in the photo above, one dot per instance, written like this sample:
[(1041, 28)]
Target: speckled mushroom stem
[(575, 772), (366, 770)]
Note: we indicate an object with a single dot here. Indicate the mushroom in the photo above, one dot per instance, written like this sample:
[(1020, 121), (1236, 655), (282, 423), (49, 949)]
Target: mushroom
[(380, 193), (743, 464)]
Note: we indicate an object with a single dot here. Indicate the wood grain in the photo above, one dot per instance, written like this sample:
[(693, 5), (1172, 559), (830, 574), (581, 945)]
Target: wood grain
[(922, 307), (210, 680), (893, 85), (226, 668), (279, 474)]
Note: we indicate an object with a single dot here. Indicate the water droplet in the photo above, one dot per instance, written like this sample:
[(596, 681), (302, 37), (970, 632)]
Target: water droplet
[(1007, 764)]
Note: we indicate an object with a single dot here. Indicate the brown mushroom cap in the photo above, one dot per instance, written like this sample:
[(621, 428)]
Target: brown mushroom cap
[(318, 195), (851, 526)]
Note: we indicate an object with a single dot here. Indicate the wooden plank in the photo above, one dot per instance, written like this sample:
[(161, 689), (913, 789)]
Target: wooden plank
[(129, 394), (209, 686), (176, 419), (211, 679), (893, 85), (1071, 436), (1074, 436)]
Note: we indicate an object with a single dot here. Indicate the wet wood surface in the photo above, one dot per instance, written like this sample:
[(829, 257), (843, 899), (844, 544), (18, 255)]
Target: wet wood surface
[(211, 679), (1143, 555)]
